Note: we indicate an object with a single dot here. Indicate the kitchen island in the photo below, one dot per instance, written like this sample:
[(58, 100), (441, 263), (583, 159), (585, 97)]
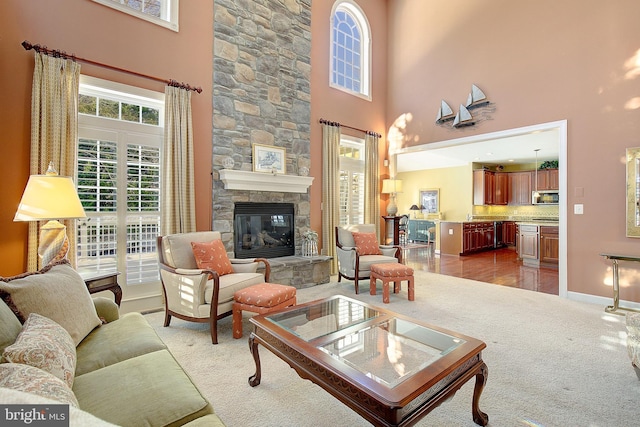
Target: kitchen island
[(468, 237), (537, 243)]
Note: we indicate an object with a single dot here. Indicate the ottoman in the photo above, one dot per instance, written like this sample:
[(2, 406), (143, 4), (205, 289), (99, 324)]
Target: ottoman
[(391, 272), (260, 299)]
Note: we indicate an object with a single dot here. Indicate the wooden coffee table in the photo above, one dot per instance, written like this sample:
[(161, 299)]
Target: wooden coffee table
[(390, 369)]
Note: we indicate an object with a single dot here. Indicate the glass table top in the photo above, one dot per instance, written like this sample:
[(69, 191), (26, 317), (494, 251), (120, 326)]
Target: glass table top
[(324, 318), (388, 351)]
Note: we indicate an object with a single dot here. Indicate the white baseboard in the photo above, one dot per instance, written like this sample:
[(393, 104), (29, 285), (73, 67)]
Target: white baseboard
[(603, 301)]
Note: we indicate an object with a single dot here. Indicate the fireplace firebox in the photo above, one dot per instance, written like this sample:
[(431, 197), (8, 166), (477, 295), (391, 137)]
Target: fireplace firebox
[(264, 230)]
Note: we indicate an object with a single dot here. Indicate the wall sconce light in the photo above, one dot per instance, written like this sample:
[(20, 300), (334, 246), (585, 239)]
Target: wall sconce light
[(50, 197), (392, 187)]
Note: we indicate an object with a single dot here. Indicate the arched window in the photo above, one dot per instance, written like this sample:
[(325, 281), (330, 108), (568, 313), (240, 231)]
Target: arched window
[(350, 49)]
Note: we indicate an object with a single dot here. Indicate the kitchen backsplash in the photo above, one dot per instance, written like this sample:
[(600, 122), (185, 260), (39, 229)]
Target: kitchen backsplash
[(515, 212)]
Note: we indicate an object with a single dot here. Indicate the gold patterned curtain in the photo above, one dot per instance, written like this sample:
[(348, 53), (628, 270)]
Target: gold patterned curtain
[(54, 133), (178, 194), (330, 190), (371, 199)]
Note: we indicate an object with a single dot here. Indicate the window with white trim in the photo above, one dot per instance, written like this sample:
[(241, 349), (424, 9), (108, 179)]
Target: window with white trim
[(351, 180), (160, 12), (120, 134), (350, 49)]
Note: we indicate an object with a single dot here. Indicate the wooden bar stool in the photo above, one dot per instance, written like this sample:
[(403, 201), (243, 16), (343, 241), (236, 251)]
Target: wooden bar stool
[(390, 272)]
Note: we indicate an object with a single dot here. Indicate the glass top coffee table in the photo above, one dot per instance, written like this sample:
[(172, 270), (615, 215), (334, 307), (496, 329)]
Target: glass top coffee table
[(389, 368)]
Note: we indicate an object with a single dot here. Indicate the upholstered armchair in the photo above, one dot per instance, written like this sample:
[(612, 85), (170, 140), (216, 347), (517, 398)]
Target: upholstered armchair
[(357, 249), (202, 294)]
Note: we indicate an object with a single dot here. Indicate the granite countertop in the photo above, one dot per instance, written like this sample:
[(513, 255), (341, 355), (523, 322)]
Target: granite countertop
[(535, 222), (519, 221)]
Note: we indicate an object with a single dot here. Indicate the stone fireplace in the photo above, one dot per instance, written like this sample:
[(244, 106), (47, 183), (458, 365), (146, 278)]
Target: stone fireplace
[(262, 95), (264, 230)]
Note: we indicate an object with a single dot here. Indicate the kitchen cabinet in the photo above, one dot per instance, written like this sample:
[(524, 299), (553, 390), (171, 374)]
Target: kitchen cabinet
[(507, 188), (501, 189), (547, 179), (421, 230), (477, 236), (549, 245), (509, 233), (484, 186), (528, 245), (520, 188)]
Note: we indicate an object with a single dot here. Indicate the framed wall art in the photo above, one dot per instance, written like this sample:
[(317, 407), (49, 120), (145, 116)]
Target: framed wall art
[(430, 200), (270, 159)]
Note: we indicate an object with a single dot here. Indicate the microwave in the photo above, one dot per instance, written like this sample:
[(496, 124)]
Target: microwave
[(545, 197)]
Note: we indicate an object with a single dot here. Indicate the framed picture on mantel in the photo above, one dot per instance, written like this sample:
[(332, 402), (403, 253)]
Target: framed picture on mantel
[(270, 159), (430, 200)]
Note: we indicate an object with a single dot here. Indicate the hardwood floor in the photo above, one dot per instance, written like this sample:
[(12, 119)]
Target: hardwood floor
[(500, 266)]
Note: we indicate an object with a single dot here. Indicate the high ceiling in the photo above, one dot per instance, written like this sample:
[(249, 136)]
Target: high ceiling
[(497, 151)]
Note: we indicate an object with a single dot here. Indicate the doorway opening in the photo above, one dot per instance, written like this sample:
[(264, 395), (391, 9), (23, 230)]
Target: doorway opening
[(558, 129)]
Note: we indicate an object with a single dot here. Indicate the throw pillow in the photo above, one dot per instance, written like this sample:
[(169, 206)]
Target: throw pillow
[(30, 379), (366, 243), (46, 345), (212, 256), (56, 292)]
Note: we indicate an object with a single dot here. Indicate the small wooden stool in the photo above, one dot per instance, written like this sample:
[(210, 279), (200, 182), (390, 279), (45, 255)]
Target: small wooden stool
[(261, 299), (391, 272)]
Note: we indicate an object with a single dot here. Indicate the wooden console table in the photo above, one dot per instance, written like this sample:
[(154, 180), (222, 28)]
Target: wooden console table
[(101, 281), (616, 283), (392, 230)]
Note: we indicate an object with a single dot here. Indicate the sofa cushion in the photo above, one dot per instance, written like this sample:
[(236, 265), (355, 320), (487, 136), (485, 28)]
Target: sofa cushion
[(46, 345), (212, 256), (163, 393), (30, 379), (11, 326), (366, 243), (231, 283), (57, 292), (122, 339)]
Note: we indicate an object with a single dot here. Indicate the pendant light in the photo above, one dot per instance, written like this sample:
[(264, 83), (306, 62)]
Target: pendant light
[(536, 194)]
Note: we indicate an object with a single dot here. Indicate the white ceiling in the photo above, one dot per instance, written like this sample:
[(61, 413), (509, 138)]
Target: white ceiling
[(497, 151)]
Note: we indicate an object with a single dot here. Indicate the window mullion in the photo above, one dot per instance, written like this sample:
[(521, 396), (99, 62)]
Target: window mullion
[(121, 203)]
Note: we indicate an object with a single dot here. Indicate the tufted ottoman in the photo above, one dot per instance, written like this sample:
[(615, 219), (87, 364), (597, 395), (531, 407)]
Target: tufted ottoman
[(391, 272), (261, 299)]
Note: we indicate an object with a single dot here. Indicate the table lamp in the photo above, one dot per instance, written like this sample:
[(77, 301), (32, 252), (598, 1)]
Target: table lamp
[(392, 187), (414, 208), (50, 197)]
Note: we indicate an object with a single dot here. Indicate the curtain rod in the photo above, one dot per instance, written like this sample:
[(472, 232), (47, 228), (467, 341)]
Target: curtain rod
[(368, 132), (64, 55)]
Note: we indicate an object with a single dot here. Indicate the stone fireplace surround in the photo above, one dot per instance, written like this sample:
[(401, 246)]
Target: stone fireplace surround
[(294, 270), (262, 95)]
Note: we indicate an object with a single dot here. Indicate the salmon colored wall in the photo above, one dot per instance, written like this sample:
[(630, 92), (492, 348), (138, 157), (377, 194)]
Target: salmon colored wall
[(334, 105), (538, 62), (96, 32)]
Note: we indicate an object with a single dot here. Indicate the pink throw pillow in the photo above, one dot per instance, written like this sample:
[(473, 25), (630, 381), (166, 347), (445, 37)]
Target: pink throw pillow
[(212, 256), (367, 243)]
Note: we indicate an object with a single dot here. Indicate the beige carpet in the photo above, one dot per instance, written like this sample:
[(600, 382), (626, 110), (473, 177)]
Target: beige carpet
[(552, 362)]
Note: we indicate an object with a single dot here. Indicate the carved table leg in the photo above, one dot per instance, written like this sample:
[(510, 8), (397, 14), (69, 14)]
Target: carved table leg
[(254, 380), (479, 417)]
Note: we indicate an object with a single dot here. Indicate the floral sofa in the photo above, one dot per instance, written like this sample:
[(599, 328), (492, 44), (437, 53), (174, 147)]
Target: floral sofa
[(60, 345)]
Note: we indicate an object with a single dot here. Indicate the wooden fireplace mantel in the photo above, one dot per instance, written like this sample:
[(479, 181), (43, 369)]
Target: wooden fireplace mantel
[(259, 181)]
